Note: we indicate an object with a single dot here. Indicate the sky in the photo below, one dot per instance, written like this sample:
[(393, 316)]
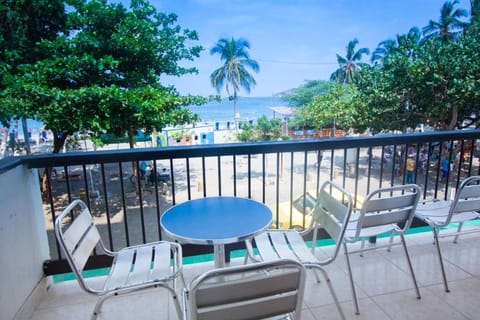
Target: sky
[(292, 40)]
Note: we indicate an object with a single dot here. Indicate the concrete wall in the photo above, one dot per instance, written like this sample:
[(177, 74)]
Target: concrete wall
[(23, 240)]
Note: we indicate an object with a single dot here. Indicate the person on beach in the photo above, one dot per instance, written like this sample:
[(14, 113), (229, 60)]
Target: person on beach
[(423, 159), (445, 167), (410, 168)]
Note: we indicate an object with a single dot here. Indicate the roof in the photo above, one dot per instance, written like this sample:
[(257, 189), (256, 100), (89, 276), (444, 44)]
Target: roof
[(284, 111)]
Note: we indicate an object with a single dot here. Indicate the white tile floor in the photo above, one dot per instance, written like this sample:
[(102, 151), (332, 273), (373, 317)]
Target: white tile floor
[(383, 283)]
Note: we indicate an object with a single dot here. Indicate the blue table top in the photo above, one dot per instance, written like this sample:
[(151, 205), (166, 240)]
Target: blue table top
[(216, 220)]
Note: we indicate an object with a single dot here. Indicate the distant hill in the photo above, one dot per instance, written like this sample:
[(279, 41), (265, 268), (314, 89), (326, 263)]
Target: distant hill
[(283, 93)]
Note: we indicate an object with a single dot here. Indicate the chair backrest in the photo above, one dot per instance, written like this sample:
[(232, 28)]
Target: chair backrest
[(332, 212), (252, 291), (392, 205), (467, 197), (77, 238)]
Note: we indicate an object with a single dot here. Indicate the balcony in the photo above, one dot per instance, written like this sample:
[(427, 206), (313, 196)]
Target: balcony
[(277, 174), (386, 291)]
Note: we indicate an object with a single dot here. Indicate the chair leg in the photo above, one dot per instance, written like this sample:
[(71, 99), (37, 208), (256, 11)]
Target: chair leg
[(410, 265), (101, 299), (176, 302), (354, 294), (98, 305), (459, 229), (245, 260), (442, 267), (317, 277), (390, 243), (330, 287), (362, 246)]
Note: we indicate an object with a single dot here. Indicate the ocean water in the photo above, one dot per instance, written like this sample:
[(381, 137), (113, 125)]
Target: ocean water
[(249, 109)]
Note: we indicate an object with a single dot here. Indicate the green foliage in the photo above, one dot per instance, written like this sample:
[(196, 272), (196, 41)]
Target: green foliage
[(302, 119), (23, 24), (438, 84), (432, 80), (103, 73), (264, 130), (335, 107), (303, 95), (247, 134)]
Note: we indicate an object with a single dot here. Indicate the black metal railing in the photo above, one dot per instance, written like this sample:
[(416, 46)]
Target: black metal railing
[(127, 206)]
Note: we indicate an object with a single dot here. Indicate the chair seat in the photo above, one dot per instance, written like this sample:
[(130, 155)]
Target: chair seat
[(365, 232), (140, 265), (368, 232), (438, 211), (287, 244)]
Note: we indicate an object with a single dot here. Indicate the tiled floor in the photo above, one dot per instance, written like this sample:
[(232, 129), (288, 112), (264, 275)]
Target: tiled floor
[(384, 288)]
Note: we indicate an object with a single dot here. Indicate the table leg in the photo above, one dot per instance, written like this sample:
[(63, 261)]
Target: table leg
[(219, 254)]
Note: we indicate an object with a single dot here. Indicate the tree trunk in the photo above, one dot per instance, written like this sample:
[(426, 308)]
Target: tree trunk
[(454, 119), (26, 136), (131, 137), (59, 139), (131, 143), (235, 110)]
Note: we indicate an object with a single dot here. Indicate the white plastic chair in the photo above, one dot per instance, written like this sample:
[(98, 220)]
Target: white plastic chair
[(133, 268), (384, 211), (440, 213), (253, 291), (331, 213)]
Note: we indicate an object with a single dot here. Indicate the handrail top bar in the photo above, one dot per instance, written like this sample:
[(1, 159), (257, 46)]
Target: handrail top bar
[(109, 156), (9, 163)]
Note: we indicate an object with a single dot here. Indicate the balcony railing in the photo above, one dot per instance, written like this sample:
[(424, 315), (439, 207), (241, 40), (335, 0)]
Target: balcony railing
[(127, 209)]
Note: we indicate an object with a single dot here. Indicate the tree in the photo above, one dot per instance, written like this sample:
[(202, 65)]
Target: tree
[(23, 24), (303, 95), (302, 119), (446, 82), (105, 75), (233, 74), (381, 97), (265, 130), (405, 44), (474, 15), (449, 26), (335, 108), (349, 64), (439, 87)]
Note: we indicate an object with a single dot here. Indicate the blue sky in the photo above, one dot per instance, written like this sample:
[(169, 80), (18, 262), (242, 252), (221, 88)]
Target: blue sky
[(293, 41)]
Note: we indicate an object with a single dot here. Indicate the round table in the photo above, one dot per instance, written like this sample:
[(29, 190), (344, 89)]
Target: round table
[(216, 221)]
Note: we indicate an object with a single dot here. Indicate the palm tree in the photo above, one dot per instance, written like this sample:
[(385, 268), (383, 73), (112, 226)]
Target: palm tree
[(349, 64), (384, 49), (405, 44), (450, 26), (233, 73), (474, 15)]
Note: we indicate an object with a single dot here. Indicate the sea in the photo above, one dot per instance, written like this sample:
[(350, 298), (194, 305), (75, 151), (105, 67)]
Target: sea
[(249, 109)]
